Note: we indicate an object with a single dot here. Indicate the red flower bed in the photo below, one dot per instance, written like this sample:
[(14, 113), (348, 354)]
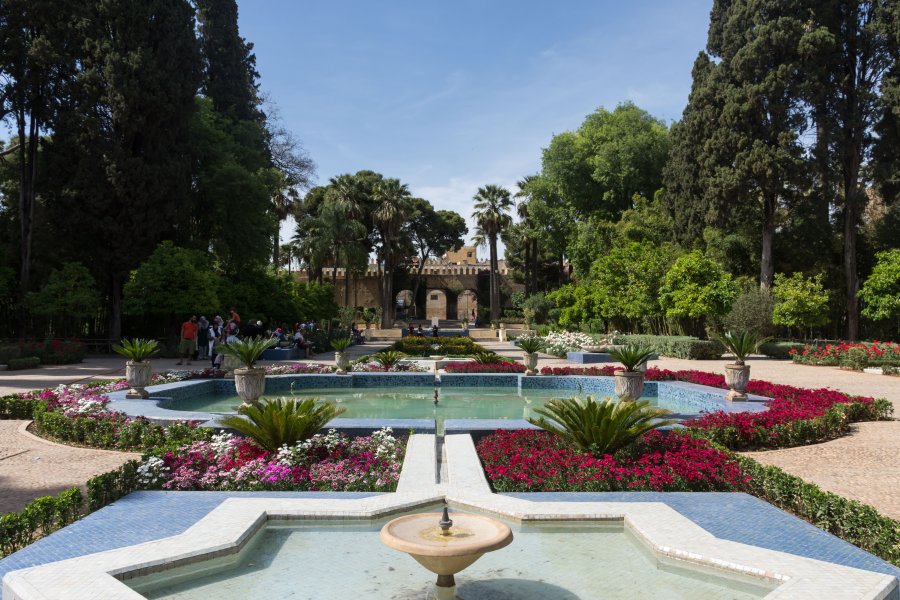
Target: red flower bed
[(530, 461), (877, 353), (794, 416), (473, 367)]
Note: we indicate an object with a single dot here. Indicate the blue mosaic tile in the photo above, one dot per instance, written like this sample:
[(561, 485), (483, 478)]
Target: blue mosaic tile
[(479, 380), (741, 518), (364, 380)]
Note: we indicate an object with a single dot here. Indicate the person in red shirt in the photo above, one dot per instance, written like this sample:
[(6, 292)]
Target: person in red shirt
[(235, 317), (188, 344)]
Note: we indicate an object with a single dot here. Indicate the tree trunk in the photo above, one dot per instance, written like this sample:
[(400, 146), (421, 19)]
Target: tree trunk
[(495, 281), (851, 275), (416, 287), (114, 325), (387, 316), (526, 267), (27, 175), (276, 248), (534, 265), (767, 260)]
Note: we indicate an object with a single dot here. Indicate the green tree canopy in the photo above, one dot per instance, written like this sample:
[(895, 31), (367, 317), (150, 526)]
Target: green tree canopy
[(799, 301), (612, 157), (625, 283), (69, 292), (172, 282), (696, 287), (881, 290)]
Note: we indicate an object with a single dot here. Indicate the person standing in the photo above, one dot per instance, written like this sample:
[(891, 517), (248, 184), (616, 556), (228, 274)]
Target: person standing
[(188, 344), (202, 338), (214, 334)]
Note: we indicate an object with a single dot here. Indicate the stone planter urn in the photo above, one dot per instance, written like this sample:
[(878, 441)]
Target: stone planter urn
[(737, 377), (138, 375), (531, 359), (630, 384), (229, 364), (250, 384), (342, 360)]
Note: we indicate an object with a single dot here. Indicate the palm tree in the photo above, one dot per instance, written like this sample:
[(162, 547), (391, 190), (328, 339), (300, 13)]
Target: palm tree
[(392, 198), (531, 241), (491, 215)]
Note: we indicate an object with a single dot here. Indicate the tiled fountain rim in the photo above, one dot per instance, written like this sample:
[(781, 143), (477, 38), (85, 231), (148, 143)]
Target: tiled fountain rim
[(232, 523), (161, 395)]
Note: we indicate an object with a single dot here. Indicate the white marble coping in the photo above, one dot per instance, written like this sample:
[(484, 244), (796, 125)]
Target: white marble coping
[(671, 536)]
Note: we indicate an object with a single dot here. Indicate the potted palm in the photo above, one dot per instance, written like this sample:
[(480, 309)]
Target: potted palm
[(531, 345), (341, 357), (630, 381), (138, 370), (737, 374), (249, 381)]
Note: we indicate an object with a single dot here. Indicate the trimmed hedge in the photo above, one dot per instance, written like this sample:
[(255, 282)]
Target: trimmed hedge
[(13, 407), (26, 362), (852, 521), (675, 346), (107, 488), (40, 517), (780, 349)]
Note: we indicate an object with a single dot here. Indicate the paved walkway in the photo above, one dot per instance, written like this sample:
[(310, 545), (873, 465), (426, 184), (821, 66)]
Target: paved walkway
[(31, 467), (861, 466)]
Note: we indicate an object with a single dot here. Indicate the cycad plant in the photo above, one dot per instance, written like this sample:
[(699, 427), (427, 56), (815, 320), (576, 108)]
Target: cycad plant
[(531, 344), (341, 344), (741, 343), (249, 350), (487, 357), (388, 358), (276, 423), (600, 427), (631, 356), (137, 349)]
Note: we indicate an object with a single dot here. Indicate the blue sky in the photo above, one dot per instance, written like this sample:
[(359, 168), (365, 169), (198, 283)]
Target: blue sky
[(448, 96)]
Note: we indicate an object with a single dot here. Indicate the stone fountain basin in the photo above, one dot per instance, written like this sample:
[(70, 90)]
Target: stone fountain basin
[(471, 536)]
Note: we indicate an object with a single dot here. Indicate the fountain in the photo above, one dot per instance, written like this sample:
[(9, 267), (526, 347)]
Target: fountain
[(447, 546)]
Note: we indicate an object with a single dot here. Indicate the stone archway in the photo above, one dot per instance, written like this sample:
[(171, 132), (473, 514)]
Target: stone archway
[(436, 304), (466, 303)]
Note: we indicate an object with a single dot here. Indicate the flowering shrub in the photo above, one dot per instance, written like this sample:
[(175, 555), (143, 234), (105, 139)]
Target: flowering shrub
[(474, 367), (530, 461), (374, 367), (324, 462), (53, 352), (80, 414), (848, 354), (558, 343)]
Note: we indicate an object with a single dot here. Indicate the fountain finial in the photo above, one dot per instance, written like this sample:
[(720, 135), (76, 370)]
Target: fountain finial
[(446, 522)]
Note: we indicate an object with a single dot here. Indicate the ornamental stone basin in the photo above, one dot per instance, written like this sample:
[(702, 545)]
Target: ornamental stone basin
[(445, 547)]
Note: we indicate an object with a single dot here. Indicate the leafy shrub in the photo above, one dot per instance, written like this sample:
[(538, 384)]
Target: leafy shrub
[(40, 517), (108, 487), (26, 362), (855, 358), (878, 354), (424, 346), (780, 350), (7, 352), (283, 422), (676, 346), (599, 427), (15, 407), (752, 311)]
